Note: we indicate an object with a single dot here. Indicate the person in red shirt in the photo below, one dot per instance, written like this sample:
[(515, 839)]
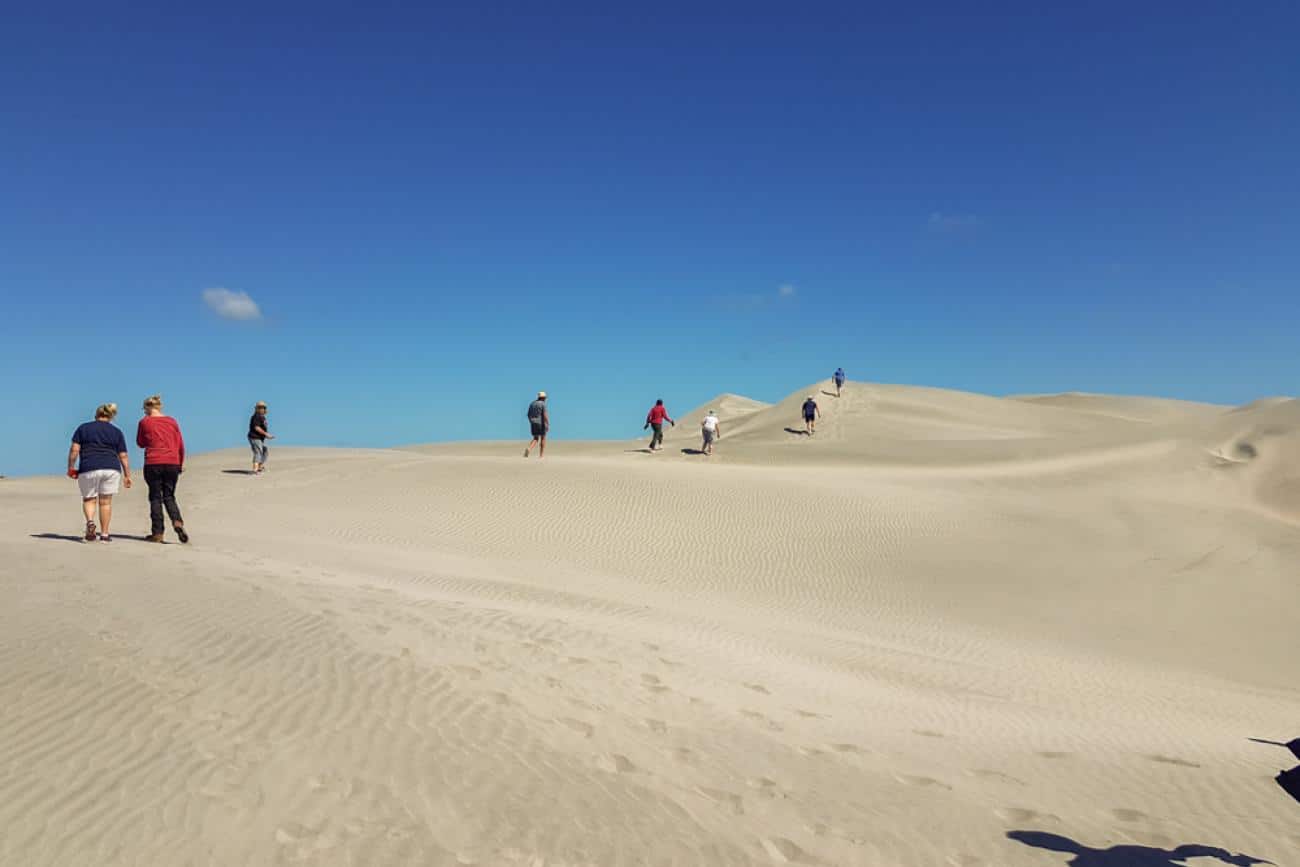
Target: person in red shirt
[(164, 461), (655, 419)]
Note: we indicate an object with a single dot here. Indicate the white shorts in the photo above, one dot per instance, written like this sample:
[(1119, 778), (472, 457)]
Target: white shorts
[(98, 483)]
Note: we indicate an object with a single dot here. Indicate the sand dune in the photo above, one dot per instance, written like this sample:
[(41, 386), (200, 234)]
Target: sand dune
[(944, 618)]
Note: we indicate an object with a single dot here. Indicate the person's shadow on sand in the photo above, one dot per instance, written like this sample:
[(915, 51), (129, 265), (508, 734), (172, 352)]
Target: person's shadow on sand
[(1288, 780), (64, 537), (1128, 856), (802, 433)]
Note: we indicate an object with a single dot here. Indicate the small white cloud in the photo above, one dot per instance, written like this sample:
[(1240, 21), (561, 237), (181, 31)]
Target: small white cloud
[(940, 222), (787, 290), (229, 304)]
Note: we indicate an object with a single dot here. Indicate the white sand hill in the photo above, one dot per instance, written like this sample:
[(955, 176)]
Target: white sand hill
[(945, 619)]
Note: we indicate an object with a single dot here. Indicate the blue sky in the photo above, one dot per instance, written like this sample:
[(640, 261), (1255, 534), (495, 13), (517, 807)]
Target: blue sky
[(438, 210)]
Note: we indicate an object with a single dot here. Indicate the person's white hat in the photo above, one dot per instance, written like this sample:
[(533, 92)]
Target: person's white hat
[(541, 395)]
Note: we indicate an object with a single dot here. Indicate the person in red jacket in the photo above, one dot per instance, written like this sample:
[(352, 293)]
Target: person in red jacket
[(655, 419), (164, 461)]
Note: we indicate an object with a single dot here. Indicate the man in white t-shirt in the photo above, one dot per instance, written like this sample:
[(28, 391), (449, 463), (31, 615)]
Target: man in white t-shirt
[(712, 430)]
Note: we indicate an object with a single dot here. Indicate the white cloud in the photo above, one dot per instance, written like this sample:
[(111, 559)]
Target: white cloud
[(229, 304), (786, 290), (940, 222)]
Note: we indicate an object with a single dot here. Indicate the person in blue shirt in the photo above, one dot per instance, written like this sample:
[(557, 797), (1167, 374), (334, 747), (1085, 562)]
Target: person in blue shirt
[(810, 414), (98, 460), (839, 380)]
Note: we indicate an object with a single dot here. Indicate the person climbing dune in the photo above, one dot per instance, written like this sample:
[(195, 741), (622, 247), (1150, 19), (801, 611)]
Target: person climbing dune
[(810, 414), (655, 419)]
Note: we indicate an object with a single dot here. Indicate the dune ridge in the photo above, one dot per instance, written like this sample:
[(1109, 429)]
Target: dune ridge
[(944, 618)]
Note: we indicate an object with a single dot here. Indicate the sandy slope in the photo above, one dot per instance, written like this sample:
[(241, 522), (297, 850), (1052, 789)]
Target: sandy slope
[(945, 618)]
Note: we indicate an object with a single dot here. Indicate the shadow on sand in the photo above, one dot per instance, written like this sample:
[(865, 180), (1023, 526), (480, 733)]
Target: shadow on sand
[(1288, 780), (829, 393), (238, 472), (692, 452), (67, 537), (796, 431), (1128, 856)]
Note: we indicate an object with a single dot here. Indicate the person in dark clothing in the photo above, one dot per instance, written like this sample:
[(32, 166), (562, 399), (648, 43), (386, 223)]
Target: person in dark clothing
[(655, 419), (539, 422), (810, 413), (164, 461), (257, 437)]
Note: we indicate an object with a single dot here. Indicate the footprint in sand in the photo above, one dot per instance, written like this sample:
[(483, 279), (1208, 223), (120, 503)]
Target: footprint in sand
[(653, 683), (920, 782), (1126, 815), (847, 748), (985, 774), (657, 726), (729, 800), (757, 687), (809, 714), (1052, 754), (1020, 815), (1172, 760), (770, 725), (577, 725), (926, 733), (614, 763), (784, 851)]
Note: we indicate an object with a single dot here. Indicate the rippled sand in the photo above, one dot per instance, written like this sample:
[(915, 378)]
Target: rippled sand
[(944, 618)]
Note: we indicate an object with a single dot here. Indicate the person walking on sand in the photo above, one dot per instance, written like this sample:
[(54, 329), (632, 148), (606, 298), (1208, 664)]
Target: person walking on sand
[(839, 380), (810, 414), (711, 428), (164, 461), (98, 460), (655, 419), (258, 434), (539, 421)]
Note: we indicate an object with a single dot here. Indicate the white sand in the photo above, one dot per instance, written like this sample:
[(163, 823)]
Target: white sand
[(944, 618)]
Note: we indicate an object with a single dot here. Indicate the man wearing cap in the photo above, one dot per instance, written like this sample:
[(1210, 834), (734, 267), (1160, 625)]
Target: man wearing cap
[(540, 422), (655, 419), (257, 437)]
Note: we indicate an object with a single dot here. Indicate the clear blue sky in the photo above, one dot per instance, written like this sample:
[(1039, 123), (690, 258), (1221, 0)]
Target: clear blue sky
[(440, 208)]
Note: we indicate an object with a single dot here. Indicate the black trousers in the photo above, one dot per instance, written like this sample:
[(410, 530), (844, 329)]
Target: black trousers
[(161, 479)]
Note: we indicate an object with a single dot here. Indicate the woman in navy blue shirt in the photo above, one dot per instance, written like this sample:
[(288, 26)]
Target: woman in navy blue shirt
[(98, 460)]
